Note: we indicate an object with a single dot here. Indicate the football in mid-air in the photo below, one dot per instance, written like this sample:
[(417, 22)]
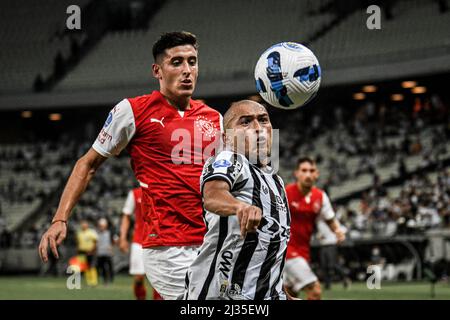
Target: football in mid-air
[(287, 75)]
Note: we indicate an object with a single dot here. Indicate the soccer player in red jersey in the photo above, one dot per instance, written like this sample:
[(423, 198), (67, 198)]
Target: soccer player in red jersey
[(131, 207), (169, 136), (306, 203)]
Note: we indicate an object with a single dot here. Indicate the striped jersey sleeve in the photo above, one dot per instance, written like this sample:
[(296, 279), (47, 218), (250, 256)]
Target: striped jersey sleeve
[(226, 166)]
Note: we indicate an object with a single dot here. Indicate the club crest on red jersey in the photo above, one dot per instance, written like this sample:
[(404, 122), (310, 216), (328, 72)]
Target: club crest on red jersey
[(316, 206), (206, 126)]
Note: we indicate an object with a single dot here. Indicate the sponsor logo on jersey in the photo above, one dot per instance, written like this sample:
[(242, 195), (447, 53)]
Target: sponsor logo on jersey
[(222, 163), (271, 227), (103, 136), (206, 126), (237, 169), (108, 120), (223, 288), (235, 292), (225, 263), (158, 121)]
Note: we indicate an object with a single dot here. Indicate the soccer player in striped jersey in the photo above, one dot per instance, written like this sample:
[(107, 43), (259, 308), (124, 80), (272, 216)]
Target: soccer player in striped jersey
[(306, 203), (246, 214)]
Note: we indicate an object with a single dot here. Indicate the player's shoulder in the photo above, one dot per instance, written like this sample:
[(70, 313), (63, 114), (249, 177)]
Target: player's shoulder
[(137, 190), (318, 192), (145, 102), (204, 108), (291, 186), (231, 156), (225, 159)]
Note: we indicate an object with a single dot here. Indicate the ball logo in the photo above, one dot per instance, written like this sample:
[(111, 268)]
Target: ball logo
[(206, 126), (223, 163), (292, 46)]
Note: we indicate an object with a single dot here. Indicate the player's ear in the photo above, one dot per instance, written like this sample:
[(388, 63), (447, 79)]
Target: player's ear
[(156, 70)]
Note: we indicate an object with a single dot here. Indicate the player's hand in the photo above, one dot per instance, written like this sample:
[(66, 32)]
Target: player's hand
[(124, 245), (249, 218), (53, 237), (340, 235)]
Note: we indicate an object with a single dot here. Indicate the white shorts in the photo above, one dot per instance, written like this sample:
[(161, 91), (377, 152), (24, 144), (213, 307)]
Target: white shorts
[(136, 260), (298, 274), (166, 269)]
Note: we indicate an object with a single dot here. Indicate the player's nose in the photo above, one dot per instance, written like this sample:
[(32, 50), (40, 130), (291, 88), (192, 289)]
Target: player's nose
[(256, 126), (186, 68)]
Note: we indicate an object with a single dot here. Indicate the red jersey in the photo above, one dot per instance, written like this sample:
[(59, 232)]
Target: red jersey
[(133, 207), (304, 213), (168, 149)]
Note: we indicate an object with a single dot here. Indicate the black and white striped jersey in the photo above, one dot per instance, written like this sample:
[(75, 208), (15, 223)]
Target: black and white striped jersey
[(227, 266)]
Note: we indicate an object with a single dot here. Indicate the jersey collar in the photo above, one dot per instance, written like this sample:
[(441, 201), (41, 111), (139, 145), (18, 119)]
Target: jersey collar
[(160, 98)]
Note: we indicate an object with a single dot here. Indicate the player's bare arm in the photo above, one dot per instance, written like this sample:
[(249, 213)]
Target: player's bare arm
[(333, 224), (218, 199), (124, 227), (79, 179)]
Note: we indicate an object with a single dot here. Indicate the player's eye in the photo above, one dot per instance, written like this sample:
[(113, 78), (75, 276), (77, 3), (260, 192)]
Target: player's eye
[(193, 61), (245, 121), (176, 62), (264, 119)]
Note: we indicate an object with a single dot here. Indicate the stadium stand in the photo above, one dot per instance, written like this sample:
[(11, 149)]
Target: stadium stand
[(124, 58), (30, 44), (32, 174), (421, 36)]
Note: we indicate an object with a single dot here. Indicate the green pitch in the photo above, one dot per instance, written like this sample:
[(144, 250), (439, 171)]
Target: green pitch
[(32, 287)]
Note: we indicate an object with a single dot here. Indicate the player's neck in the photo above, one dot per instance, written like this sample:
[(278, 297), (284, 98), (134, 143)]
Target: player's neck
[(304, 190), (179, 103)]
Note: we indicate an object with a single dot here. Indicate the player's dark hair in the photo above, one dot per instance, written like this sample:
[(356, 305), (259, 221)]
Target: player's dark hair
[(173, 39), (305, 159)]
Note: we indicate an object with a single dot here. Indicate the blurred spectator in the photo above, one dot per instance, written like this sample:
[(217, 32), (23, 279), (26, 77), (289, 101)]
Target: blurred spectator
[(105, 251)]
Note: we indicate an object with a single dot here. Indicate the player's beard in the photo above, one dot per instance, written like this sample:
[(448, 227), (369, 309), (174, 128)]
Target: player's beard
[(307, 184)]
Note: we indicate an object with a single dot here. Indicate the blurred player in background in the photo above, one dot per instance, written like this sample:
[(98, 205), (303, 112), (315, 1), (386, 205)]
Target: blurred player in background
[(105, 252), (87, 247), (131, 207), (306, 203), (169, 136), (328, 253), (247, 215)]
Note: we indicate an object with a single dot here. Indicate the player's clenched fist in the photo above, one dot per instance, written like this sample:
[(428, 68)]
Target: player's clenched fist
[(340, 235), (53, 237), (124, 245), (249, 218)]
